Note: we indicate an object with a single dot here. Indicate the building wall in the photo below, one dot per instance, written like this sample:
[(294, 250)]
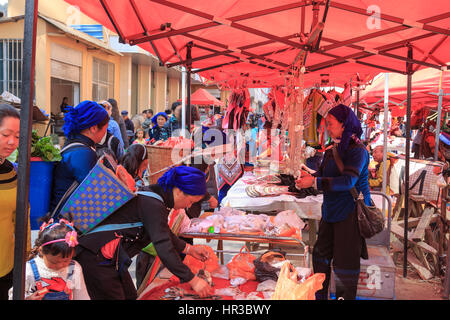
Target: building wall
[(166, 90), (174, 90), (160, 91), (125, 92), (144, 88), (56, 9), (47, 34), (88, 55)]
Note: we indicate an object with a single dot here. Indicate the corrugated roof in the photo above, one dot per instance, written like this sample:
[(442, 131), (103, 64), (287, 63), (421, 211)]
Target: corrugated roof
[(80, 35), (94, 30)]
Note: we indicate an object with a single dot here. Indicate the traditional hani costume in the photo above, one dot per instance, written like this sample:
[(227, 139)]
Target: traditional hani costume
[(157, 133), (339, 239), (78, 154), (105, 253)]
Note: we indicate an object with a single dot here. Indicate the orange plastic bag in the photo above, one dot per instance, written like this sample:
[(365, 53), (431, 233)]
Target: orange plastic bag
[(211, 265), (241, 266), (288, 288)]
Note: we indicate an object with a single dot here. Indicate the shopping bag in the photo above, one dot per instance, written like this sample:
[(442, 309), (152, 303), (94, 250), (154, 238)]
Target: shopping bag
[(288, 288), (264, 265), (241, 266), (210, 265)]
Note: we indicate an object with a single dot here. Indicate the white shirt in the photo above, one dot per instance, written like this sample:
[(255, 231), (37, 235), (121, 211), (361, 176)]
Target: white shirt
[(76, 284)]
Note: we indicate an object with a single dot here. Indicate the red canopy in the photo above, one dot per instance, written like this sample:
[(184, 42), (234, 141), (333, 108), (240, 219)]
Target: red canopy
[(255, 42), (425, 86), (203, 98)]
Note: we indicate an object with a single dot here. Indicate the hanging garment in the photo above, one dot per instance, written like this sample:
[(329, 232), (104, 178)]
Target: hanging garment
[(315, 99), (229, 170)]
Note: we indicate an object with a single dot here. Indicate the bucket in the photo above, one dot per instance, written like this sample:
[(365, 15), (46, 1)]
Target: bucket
[(41, 176)]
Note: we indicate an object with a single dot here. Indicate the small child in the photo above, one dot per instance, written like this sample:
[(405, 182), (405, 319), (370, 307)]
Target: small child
[(51, 274), (140, 137)]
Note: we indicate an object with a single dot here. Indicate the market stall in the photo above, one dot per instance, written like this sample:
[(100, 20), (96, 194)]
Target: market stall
[(239, 46), (306, 208)]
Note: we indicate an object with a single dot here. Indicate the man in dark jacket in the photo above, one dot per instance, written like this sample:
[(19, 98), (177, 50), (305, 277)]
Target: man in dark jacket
[(147, 124), (128, 125)]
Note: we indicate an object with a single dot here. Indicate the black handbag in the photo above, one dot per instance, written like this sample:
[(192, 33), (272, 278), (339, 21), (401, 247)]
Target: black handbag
[(370, 218)]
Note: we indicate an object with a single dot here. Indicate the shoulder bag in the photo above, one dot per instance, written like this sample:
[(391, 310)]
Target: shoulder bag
[(370, 218)]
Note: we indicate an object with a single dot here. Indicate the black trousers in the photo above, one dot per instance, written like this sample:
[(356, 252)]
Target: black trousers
[(6, 283), (339, 243), (103, 280)]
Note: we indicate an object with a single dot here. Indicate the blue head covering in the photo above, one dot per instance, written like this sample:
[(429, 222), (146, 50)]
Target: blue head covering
[(190, 180), (352, 125), (85, 115), (155, 117), (445, 138)]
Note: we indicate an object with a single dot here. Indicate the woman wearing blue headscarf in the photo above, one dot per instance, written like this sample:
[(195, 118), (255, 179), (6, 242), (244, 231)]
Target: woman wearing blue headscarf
[(105, 256), (339, 239), (159, 131), (84, 126)]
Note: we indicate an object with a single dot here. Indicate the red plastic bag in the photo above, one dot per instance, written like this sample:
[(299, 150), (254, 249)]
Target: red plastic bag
[(210, 265), (241, 266)]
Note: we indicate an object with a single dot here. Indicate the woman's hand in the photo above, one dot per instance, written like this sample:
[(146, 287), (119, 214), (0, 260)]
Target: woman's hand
[(198, 252), (305, 182), (304, 167), (201, 287)]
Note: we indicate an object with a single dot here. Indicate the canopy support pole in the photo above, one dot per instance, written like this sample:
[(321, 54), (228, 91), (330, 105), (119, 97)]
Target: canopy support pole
[(385, 133), (438, 125), (189, 69), (23, 174), (409, 70), (358, 114), (183, 102)]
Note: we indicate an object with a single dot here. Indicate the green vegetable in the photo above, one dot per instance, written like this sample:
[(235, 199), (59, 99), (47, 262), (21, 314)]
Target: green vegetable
[(44, 148)]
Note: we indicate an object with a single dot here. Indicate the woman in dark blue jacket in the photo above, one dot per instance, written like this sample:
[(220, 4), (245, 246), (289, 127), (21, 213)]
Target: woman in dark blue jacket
[(339, 239), (159, 130), (84, 126)]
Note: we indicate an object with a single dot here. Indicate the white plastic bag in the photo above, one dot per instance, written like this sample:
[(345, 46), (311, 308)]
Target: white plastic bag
[(199, 225), (268, 285), (230, 291), (235, 282), (290, 218), (221, 272), (254, 223)]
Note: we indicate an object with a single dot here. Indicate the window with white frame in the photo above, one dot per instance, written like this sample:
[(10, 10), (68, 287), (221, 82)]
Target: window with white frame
[(11, 52), (102, 80)]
